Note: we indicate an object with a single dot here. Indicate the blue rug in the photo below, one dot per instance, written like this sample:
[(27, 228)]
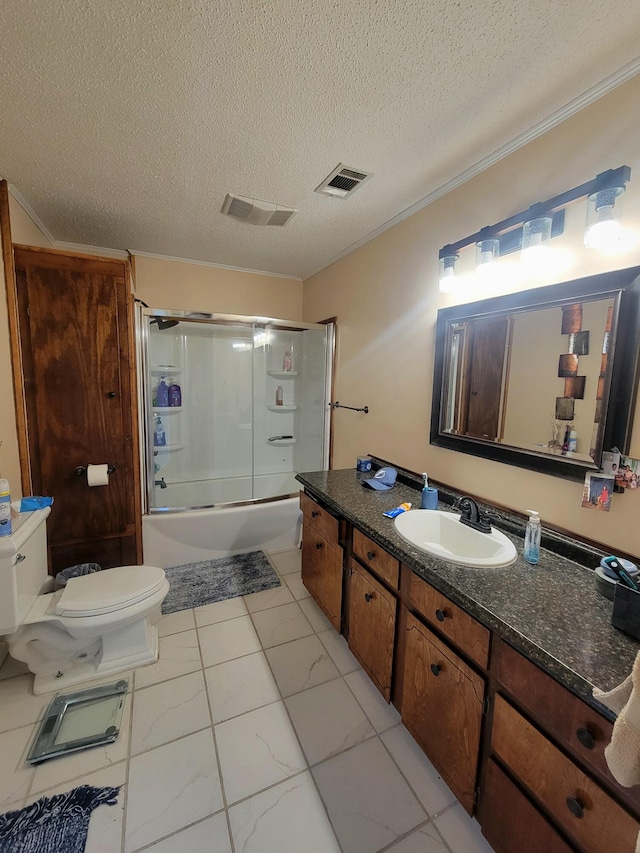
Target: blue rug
[(195, 584), (56, 824)]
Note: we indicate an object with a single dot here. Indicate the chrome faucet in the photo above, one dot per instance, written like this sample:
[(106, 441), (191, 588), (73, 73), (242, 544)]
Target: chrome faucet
[(471, 515), (161, 483)]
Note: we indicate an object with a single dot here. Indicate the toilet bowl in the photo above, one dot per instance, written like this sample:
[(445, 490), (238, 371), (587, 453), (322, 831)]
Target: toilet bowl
[(98, 625)]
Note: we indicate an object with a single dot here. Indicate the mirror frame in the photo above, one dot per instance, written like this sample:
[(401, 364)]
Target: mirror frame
[(620, 390)]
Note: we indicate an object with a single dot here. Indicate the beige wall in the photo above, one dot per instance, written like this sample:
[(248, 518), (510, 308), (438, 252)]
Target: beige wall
[(163, 283), (385, 296)]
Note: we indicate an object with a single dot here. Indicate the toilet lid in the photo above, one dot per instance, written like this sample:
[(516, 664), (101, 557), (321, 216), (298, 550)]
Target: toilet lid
[(110, 590)]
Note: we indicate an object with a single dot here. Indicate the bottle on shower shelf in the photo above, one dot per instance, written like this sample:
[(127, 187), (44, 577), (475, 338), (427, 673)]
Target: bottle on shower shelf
[(162, 394), (279, 396), (159, 435), (175, 393), (287, 362)]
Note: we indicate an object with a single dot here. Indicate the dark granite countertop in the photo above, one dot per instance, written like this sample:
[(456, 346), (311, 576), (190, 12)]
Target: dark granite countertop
[(551, 612)]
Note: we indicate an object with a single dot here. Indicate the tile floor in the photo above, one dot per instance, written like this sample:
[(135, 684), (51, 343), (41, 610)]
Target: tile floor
[(256, 732)]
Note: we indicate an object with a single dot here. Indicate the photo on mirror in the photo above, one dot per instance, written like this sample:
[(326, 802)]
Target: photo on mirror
[(597, 491), (611, 463), (628, 473)]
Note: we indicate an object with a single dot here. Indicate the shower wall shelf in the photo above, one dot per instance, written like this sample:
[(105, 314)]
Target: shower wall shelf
[(165, 369), (282, 373), (167, 410), (167, 447), (282, 408)]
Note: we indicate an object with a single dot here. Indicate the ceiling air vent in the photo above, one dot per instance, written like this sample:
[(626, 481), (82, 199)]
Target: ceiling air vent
[(256, 212), (343, 181)]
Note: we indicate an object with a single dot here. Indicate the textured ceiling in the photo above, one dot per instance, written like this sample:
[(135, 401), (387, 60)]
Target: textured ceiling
[(124, 123)]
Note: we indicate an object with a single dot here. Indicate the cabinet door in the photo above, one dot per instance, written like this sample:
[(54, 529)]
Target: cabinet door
[(372, 624), (509, 820), (322, 572), (442, 704), (76, 342)]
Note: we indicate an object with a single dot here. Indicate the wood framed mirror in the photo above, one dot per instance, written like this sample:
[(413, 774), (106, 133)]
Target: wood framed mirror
[(544, 379)]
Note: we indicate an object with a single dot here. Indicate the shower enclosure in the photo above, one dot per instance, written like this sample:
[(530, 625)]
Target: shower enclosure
[(246, 406)]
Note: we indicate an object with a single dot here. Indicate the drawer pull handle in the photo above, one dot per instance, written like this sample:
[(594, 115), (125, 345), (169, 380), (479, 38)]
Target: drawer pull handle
[(370, 555), (440, 615), (586, 738), (435, 669), (20, 558), (575, 807), (314, 513), (368, 597), (318, 546)]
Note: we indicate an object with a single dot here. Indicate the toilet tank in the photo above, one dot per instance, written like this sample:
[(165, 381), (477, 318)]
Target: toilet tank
[(23, 568)]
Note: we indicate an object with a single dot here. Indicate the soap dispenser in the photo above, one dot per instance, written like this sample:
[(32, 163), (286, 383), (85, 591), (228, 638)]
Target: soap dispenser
[(532, 537)]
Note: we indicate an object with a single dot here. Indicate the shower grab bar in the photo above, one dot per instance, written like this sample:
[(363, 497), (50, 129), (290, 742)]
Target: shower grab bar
[(337, 405)]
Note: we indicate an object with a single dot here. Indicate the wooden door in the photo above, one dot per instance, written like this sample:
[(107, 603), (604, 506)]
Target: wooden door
[(372, 623), (77, 355), (322, 572), (442, 704), (486, 369)]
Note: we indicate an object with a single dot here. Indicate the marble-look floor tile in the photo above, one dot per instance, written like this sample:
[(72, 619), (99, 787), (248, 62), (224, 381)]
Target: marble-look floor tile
[(171, 787), (208, 836), (281, 624), (15, 773), (433, 792), (338, 648), (288, 817), (461, 832), (369, 802), (19, 705), (426, 839), (174, 623), (241, 685), (105, 826), (327, 719), (287, 562), (227, 640), (169, 710), (316, 617), (301, 664), (179, 655), (256, 750), (381, 713), (298, 589), (273, 597), (12, 667), (71, 770), (220, 611)]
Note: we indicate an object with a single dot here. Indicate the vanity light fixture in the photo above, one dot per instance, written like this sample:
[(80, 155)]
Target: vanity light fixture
[(530, 230)]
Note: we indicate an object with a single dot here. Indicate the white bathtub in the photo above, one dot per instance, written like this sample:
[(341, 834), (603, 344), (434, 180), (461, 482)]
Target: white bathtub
[(173, 538)]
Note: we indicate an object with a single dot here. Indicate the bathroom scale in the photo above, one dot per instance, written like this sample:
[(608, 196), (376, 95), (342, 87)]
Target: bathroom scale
[(81, 720)]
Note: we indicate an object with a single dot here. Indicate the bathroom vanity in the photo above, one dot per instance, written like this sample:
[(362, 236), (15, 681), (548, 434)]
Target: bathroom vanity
[(492, 670)]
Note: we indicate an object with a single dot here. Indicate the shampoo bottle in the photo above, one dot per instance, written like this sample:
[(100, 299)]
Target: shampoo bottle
[(175, 393), (279, 396), (532, 538), (163, 394), (5, 508), (159, 437), (287, 362)]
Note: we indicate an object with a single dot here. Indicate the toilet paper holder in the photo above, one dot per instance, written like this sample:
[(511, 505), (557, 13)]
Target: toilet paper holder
[(81, 469)]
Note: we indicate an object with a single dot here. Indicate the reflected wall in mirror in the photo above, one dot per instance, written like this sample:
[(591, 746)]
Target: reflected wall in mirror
[(545, 379)]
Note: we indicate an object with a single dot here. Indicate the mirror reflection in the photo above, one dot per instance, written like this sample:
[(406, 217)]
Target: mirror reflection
[(532, 379)]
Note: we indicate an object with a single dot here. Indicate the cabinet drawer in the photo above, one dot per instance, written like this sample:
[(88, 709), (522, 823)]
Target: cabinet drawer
[(442, 705), (372, 625), (322, 520), (468, 635), (372, 555), (511, 822), (588, 814), (565, 716)]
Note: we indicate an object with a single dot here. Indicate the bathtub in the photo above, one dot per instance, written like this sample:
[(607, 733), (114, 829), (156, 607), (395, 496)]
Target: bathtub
[(174, 538)]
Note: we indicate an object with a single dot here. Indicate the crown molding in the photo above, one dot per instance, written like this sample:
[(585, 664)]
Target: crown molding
[(590, 96), (84, 249), (15, 192), (212, 264)]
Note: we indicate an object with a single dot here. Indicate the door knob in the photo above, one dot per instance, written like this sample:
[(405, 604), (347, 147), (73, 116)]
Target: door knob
[(435, 669), (368, 597)]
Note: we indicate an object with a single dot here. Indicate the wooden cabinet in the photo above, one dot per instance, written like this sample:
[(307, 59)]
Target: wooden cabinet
[(372, 622), (322, 559), (442, 706), (75, 341), (591, 818), (376, 559)]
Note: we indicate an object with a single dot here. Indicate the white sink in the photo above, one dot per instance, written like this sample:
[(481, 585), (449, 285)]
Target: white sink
[(443, 535)]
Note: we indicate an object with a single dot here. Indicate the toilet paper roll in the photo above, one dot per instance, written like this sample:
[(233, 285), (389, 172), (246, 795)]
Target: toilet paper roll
[(98, 475)]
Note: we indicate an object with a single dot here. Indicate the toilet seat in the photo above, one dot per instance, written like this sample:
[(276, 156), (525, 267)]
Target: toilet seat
[(108, 591)]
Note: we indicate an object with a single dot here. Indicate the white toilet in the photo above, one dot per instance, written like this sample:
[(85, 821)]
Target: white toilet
[(98, 625)]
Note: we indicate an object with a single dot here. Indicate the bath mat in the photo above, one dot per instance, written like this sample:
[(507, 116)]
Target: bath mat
[(195, 584), (56, 824)]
